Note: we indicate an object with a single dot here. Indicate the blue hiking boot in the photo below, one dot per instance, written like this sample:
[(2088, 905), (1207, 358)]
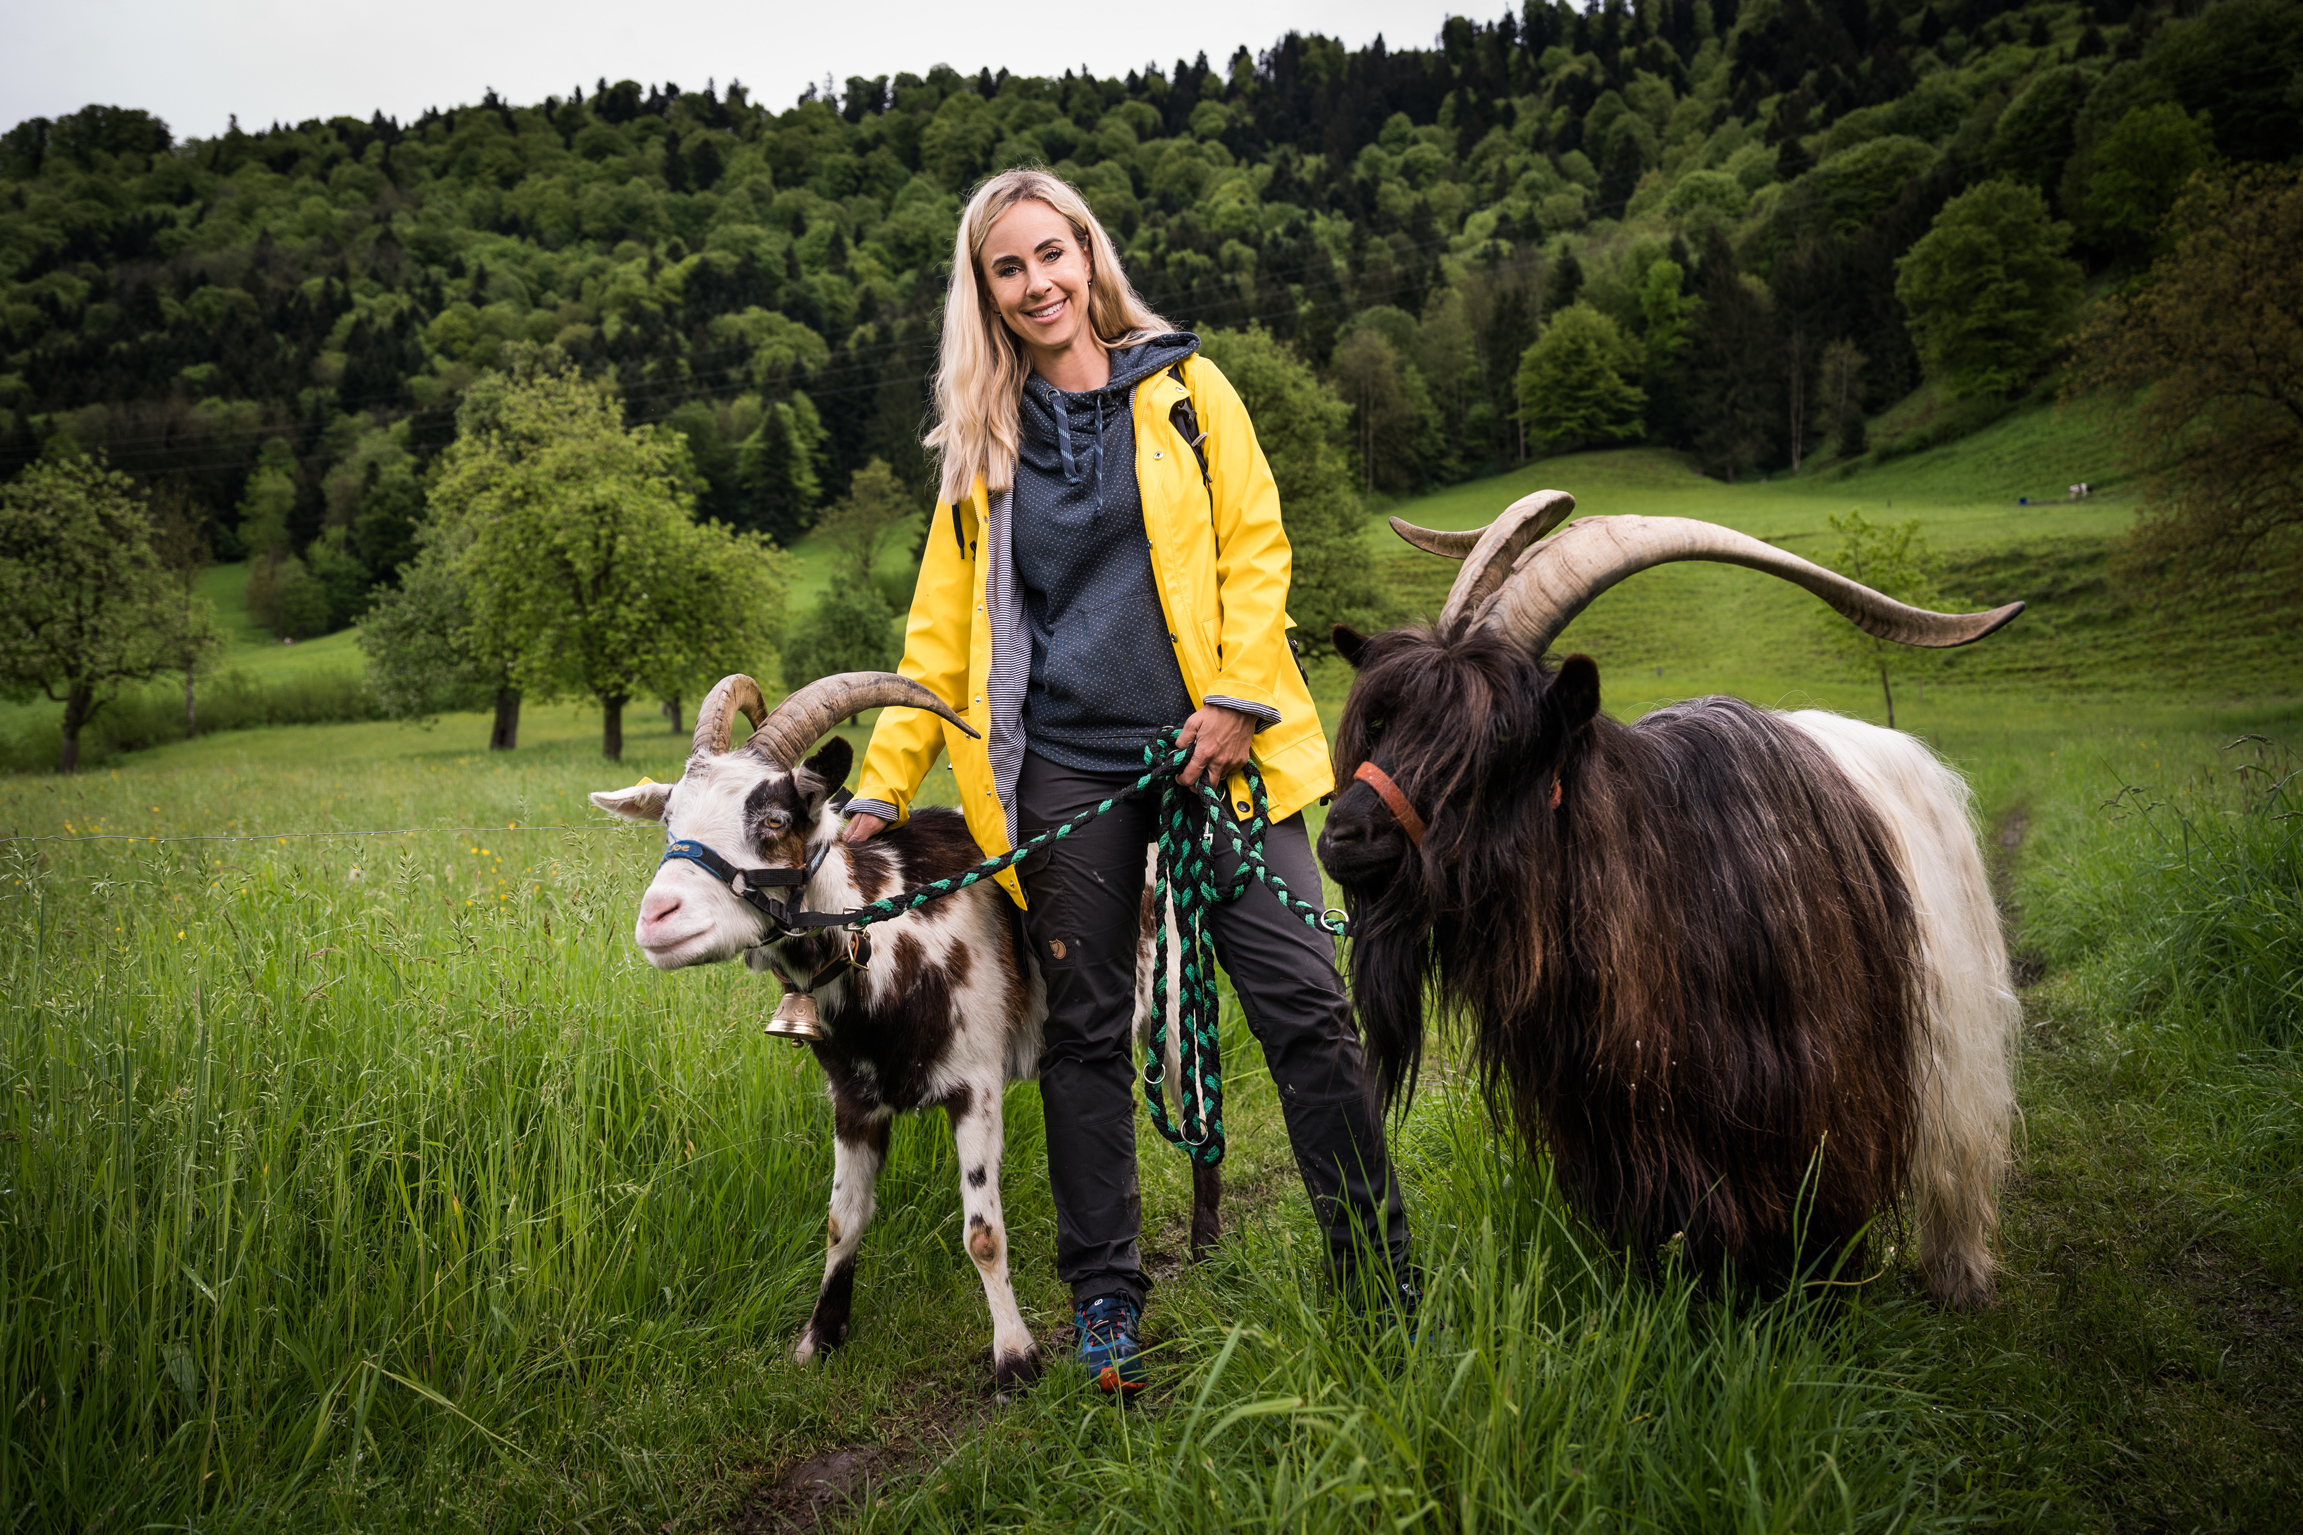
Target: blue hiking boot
[(1108, 1344), (1384, 1303)]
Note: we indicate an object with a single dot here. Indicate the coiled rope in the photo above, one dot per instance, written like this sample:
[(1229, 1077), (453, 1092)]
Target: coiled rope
[(1184, 879)]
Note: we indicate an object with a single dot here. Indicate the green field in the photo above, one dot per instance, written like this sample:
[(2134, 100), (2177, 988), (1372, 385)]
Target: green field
[(374, 1181)]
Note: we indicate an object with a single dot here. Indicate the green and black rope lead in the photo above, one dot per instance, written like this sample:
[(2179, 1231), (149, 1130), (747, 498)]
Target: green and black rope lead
[(1184, 878)]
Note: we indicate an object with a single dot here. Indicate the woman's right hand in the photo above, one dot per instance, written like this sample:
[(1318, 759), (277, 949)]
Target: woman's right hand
[(862, 827)]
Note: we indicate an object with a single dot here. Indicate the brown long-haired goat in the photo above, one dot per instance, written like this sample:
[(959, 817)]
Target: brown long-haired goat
[(1738, 972)]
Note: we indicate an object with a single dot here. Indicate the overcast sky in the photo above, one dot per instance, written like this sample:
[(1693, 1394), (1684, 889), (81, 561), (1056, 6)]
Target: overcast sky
[(197, 62)]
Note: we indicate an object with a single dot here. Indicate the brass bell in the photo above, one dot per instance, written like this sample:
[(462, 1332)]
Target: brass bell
[(795, 1019)]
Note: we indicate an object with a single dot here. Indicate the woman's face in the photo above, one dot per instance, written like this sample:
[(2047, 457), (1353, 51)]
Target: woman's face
[(1037, 271)]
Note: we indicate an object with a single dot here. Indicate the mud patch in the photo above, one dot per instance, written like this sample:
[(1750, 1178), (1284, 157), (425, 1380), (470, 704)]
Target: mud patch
[(2003, 856), (830, 1487)]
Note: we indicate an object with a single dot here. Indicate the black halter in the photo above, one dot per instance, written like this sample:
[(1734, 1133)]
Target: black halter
[(752, 886)]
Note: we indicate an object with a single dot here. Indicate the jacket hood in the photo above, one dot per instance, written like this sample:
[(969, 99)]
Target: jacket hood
[(1081, 447), (1131, 365)]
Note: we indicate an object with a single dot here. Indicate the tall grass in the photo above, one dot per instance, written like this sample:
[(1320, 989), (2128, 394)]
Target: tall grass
[(378, 1183), (2188, 903), (371, 1182), (1543, 1385)]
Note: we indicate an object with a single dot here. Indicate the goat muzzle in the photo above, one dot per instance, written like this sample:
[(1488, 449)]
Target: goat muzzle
[(1394, 801)]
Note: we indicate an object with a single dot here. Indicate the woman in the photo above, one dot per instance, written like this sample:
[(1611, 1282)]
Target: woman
[(1083, 588)]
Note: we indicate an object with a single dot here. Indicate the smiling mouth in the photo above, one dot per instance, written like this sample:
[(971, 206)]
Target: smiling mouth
[(1049, 313)]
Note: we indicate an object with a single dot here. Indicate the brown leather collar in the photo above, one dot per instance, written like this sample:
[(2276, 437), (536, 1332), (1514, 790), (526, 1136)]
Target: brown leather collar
[(1380, 781)]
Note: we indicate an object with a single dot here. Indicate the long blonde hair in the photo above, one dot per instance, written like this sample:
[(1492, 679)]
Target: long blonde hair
[(982, 367)]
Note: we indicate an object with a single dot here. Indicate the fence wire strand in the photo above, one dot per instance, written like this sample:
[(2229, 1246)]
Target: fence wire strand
[(292, 836)]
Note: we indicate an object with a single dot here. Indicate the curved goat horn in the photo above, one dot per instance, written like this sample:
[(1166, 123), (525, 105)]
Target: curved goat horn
[(1491, 553), (1440, 541), (807, 713), (716, 716), (1560, 579)]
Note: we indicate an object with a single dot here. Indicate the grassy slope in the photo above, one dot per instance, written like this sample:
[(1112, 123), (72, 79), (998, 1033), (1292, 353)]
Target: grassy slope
[(334, 1093)]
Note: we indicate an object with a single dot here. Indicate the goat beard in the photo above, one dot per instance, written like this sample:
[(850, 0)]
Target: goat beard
[(1464, 928)]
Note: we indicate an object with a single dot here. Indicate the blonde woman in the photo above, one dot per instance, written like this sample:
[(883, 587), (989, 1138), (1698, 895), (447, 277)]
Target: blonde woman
[(1083, 588)]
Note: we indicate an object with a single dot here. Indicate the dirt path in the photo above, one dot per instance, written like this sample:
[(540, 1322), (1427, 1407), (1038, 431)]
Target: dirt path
[(829, 1488)]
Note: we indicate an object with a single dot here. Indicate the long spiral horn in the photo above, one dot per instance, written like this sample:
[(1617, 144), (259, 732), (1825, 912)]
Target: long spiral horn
[(807, 713), (716, 717), (1560, 579)]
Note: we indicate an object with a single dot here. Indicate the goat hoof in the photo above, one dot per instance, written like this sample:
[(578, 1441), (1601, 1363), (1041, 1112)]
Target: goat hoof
[(1959, 1286), (1013, 1370), (817, 1340)]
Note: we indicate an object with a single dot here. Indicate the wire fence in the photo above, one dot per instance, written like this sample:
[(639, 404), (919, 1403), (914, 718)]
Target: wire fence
[(293, 836)]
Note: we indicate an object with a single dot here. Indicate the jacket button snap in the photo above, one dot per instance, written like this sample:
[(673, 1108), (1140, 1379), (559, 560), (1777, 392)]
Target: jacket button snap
[(1156, 453), (1243, 807)]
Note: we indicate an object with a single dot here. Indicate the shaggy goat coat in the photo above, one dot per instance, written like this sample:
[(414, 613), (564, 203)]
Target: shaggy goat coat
[(1744, 983)]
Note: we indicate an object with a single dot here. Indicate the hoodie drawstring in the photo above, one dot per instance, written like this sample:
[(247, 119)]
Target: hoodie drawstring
[(1063, 417)]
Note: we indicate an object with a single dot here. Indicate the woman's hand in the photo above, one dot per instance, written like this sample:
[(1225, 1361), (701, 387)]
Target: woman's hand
[(862, 827), (1219, 739)]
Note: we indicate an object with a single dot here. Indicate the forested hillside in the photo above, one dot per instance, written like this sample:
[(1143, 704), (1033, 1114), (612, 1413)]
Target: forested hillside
[(272, 329)]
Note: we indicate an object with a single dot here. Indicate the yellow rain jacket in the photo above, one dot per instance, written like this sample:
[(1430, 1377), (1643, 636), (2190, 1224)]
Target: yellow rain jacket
[(1222, 565)]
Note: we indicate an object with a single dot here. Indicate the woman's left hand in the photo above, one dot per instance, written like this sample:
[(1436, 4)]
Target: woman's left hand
[(1220, 740)]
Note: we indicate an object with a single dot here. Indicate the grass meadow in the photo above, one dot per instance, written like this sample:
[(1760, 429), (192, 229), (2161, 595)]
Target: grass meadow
[(371, 1180)]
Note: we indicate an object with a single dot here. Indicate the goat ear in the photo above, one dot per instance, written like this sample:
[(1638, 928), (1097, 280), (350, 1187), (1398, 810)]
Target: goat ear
[(1574, 695), (643, 801), (829, 768), (1349, 644)]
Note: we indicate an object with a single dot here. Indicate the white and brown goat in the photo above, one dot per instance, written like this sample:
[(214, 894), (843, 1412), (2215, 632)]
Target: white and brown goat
[(949, 1008)]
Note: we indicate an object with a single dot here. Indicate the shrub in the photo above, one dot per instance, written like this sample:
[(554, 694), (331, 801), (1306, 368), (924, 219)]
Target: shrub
[(229, 701)]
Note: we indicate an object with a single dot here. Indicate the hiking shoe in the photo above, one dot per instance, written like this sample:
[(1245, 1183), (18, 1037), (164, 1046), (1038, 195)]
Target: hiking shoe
[(1377, 1307), (1108, 1345)]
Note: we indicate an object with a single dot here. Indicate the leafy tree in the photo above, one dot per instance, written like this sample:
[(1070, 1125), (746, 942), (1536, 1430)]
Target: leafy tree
[(1666, 312), (193, 638), (1842, 396), (853, 629), (854, 625), (877, 518), (1302, 426), (1730, 363), (263, 532), (420, 657), (2212, 342), (383, 502), (2142, 165), (85, 605), (1890, 557), (1988, 288), (189, 638), (341, 575), (1575, 383), (778, 468), (1373, 378), (1565, 284), (584, 564)]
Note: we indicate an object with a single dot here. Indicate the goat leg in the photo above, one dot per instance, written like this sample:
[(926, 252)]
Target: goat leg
[(976, 1134), (859, 1149), (1206, 1213)]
